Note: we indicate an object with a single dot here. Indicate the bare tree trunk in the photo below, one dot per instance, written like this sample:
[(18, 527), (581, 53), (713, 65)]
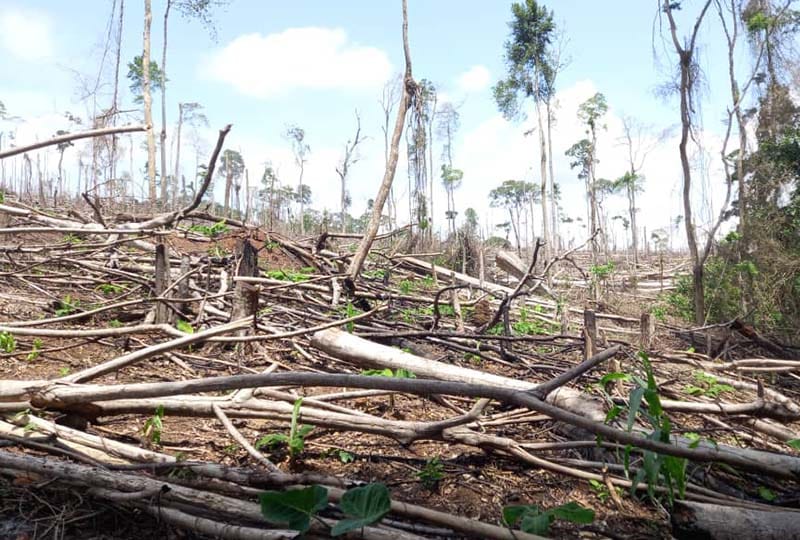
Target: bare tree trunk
[(178, 149), (553, 202), (543, 175), (163, 135), (430, 165), (226, 209), (686, 61), (377, 209), (148, 103), (115, 99)]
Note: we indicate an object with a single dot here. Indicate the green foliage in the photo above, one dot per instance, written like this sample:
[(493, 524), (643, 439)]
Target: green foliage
[(708, 386), (110, 288), (378, 273), (659, 312), (7, 342), (184, 327), (656, 469), (349, 312), (36, 351), (114, 323), (399, 373), (534, 520), (602, 271), (211, 231), (2, 196), (533, 326), (363, 506), (406, 286), (601, 490), (295, 507), (288, 275), (766, 494), (154, 426), (345, 456), (136, 77), (67, 306), (295, 440), (794, 443), (431, 474), (72, 238), (63, 371)]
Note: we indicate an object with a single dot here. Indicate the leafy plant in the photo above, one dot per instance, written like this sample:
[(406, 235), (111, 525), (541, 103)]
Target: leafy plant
[(154, 426), (114, 323), (378, 273), (351, 311), (271, 245), (7, 342), (110, 288), (211, 231), (602, 271), (406, 286), (399, 373), (363, 506), (794, 443), (295, 440), (67, 306), (36, 351), (63, 371), (534, 520), (708, 386), (766, 494), (288, 275), (431, 474), (656, 468), (295, 507), (184, 327), (345, 456), (71, 238)]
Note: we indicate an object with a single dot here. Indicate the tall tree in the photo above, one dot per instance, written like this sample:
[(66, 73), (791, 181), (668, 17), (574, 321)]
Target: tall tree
[(392, 91), (190, 114), (591, 113), (190, 9), (514, 196), (688, 71), (349, 159), (148, 103), (409, 88), (231, 168), (451, 178), (527, 56), (300, 148)]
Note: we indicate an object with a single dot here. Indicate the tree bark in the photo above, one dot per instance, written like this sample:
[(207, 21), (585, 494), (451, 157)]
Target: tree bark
[(163, 135), (148, 103)]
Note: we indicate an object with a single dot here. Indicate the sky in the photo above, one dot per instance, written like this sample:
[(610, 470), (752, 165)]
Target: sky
[(314, 63)]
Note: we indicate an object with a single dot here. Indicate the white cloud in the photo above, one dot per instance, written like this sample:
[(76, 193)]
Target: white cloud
[(475, 79), (26, 34), (297, 58)]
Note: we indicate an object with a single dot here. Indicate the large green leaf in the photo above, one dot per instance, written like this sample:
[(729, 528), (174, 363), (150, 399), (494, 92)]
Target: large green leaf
[(293, 508), (573, 512), (364, 506), (536, 524), (634, 405)]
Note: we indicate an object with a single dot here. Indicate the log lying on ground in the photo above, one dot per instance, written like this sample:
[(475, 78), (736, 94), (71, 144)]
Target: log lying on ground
[(692, 520), (363, 352), (360, 351)]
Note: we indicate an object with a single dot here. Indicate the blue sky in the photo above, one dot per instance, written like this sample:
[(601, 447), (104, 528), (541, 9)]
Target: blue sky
[(313, 63)]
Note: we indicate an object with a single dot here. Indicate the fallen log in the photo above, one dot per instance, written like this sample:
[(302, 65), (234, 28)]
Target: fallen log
[(691, 520)]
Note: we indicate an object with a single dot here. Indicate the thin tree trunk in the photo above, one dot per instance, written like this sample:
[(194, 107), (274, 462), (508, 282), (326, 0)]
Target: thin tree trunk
[(148, 103), (115, 99), (553, 202), (377, 209), (543, 175), (178, 149), (686, 59), (163, 135)]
